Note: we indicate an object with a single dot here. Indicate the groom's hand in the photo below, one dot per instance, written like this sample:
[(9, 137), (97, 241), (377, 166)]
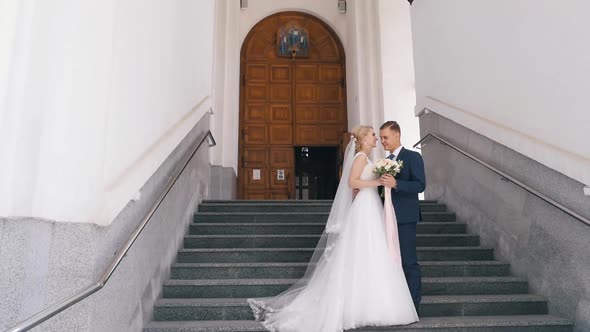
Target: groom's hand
[(355, 191), (387, 180)]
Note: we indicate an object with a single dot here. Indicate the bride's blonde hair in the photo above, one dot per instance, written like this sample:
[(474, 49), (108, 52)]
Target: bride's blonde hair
[(357, 134)]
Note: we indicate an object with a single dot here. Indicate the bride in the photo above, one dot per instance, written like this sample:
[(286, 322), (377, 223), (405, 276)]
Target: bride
[(353, 279)]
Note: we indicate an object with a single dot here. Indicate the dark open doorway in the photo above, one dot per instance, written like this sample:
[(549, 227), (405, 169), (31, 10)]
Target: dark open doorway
[(316, 172)]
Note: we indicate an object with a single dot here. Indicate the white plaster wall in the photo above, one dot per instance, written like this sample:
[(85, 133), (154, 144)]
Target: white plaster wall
[(397, 63), (362, 30), (8, 14), (95, 95), (517, 72), (363, 67), (227, 71), (162, 85), (216, 152)]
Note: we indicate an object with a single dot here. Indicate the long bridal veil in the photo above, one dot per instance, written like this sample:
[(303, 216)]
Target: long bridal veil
[(321, 255)]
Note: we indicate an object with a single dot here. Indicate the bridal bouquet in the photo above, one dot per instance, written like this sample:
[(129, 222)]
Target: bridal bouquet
[(388, 166)]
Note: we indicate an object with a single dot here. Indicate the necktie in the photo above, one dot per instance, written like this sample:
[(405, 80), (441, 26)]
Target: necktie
[(391, 156)]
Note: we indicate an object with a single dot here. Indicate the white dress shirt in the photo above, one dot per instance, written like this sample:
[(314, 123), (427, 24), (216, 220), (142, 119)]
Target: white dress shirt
[(396, 152)]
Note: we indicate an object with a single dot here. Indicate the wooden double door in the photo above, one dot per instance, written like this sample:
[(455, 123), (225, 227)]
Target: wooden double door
[(287, 103)]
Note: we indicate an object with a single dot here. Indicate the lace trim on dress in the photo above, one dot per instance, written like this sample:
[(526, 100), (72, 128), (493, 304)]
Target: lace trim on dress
[(260, 310)]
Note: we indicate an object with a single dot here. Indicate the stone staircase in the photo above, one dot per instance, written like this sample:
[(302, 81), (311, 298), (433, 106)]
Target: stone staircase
[(241, 249)]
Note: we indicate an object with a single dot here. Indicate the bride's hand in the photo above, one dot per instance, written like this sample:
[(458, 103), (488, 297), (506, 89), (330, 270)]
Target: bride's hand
[(388, 181)]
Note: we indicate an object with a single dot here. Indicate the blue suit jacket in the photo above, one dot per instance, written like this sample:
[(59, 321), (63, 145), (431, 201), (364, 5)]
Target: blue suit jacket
[(410, 181)]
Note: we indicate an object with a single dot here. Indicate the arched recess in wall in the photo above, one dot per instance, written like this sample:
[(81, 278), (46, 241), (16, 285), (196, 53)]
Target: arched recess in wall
[(292, 95)]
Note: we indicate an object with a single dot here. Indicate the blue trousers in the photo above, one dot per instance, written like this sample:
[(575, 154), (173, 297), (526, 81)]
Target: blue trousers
[(407, 243)]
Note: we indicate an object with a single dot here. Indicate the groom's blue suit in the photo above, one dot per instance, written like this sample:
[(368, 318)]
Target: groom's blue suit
[(410, 181)]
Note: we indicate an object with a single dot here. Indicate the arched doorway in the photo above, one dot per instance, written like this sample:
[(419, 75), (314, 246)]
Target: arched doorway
[(292, 101)]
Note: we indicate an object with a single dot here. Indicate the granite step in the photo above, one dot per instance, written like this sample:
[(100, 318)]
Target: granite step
[(289, 207), (293, 217), (265, 207), (274, 201), (305, 228), (432, 306), (297, 270), (516, 323), (246, 288), (250, 255), (304, 240), (292, 201), (241, 249)]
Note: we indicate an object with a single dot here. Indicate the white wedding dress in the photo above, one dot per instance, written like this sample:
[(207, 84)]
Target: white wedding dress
[(354, 282)]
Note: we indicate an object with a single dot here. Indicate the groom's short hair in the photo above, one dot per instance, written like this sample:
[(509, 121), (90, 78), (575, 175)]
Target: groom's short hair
[(393, 125)]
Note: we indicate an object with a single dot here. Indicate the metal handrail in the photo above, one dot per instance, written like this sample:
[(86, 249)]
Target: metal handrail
[(58, 307), (508, 178)]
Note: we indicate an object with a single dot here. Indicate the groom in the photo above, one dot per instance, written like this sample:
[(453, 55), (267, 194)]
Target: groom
[(404, 193)]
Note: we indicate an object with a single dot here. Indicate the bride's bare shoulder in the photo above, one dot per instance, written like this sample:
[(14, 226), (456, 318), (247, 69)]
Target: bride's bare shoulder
[(360, 159), (359, 154)]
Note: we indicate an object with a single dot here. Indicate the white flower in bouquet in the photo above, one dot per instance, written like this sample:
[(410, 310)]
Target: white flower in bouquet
[(380, 163), (388, 166)]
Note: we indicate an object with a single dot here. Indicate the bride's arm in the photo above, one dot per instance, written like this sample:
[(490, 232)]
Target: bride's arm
[(354, 180)]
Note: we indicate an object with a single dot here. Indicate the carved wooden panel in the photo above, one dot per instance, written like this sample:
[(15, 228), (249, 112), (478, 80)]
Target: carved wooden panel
[(324, 93), (256, 157), (258, 45), (252, 182), (279, 195), (255, 113), (305, 73), (331, 114), (255, 134), (280, 73), (256, 73), (282, 157), (307, 113), (305, 93), (280, 93), (281, 134), (318, 113), (281, 113), (256, 92), (330, 73), (318, 134), (330, 134), (256, 195), (328, 50), (305, 134), (330, 93)]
